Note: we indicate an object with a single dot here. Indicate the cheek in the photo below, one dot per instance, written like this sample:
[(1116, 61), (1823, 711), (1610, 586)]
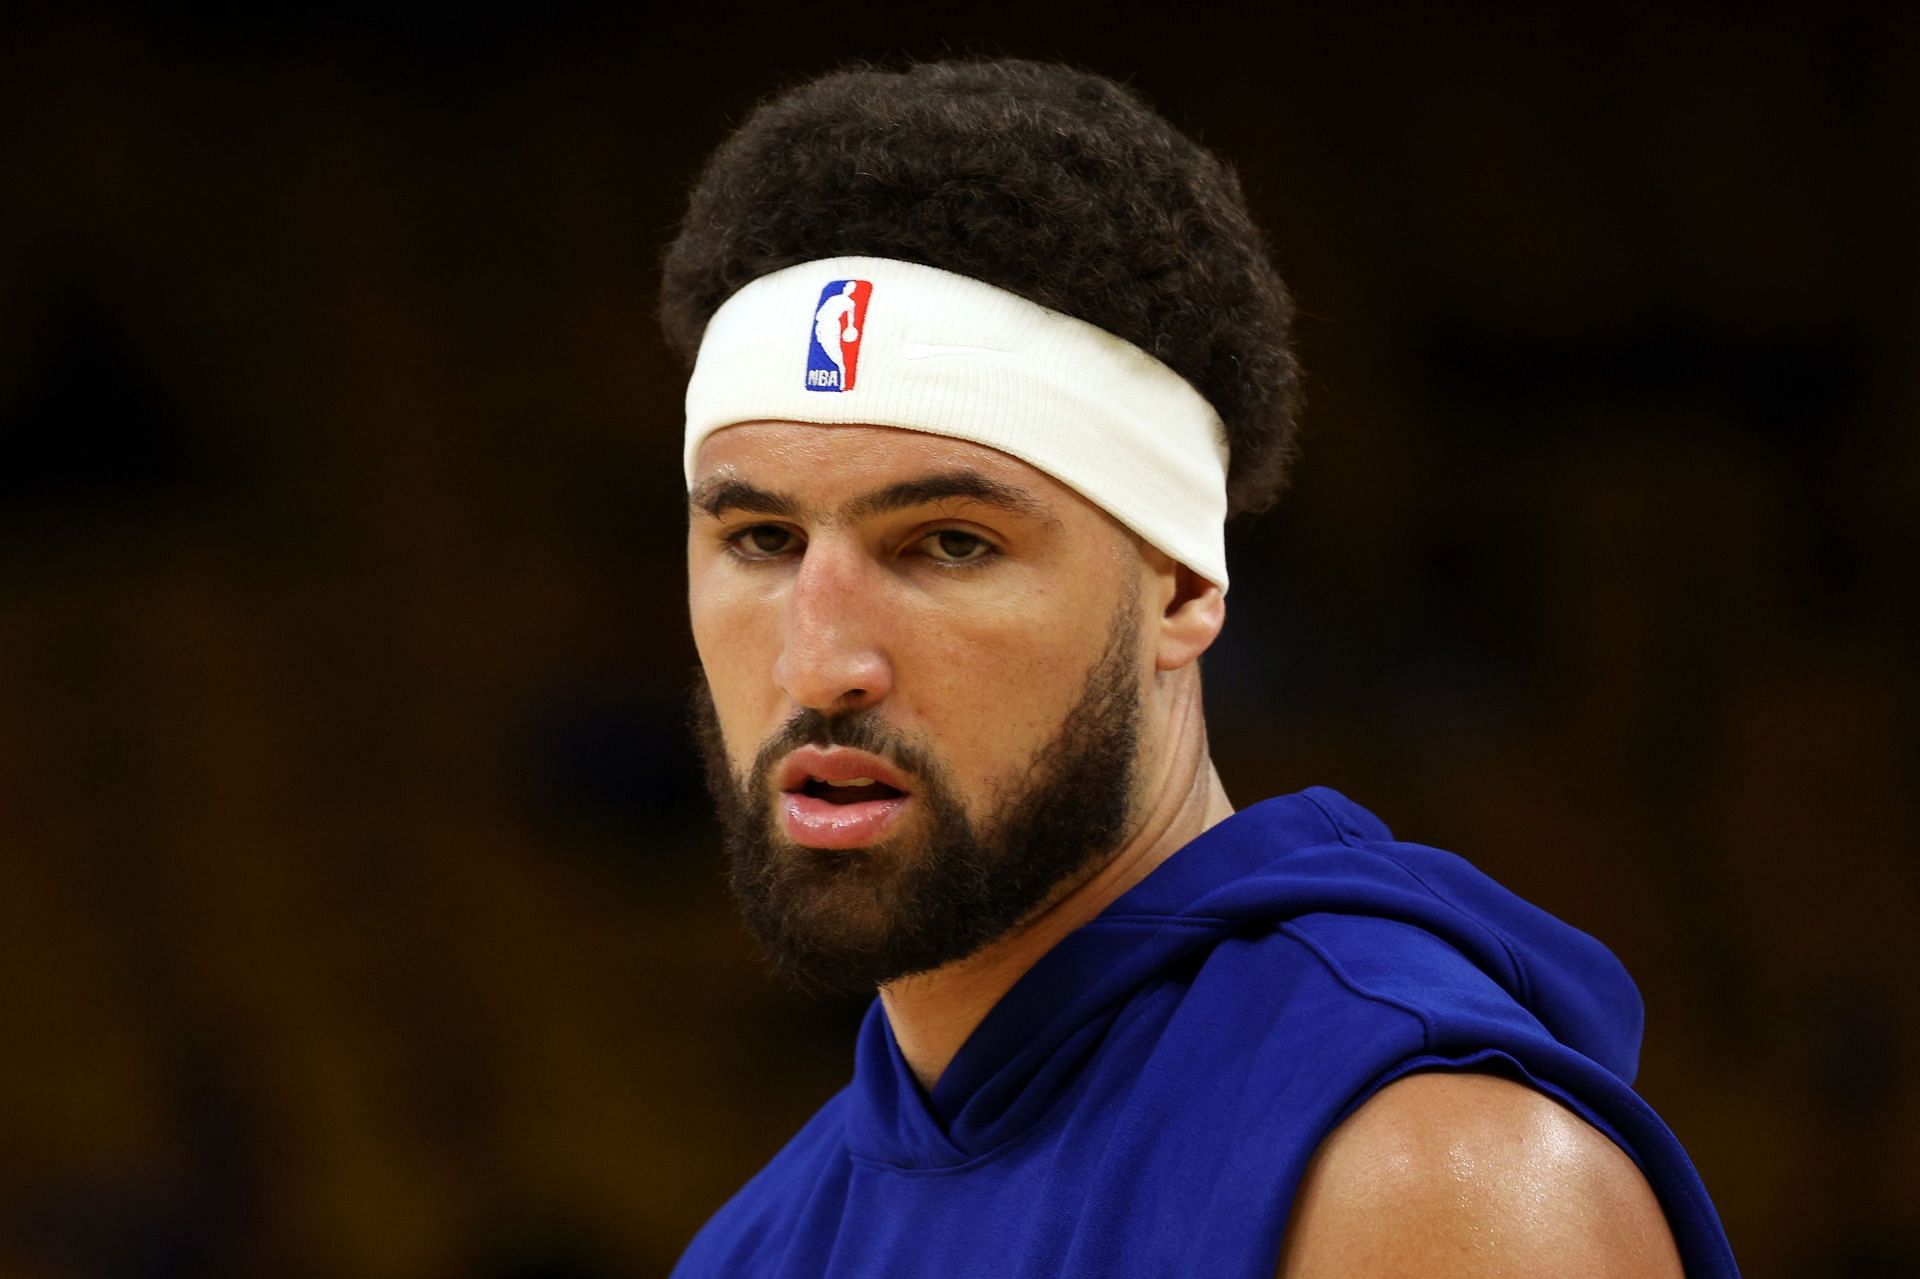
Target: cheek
[(737, 638), (991, 688)]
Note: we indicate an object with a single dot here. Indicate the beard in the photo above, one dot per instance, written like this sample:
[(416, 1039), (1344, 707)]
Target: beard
[(845, 921)]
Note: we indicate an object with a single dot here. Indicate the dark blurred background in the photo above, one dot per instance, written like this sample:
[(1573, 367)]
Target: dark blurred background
[(359, 911)]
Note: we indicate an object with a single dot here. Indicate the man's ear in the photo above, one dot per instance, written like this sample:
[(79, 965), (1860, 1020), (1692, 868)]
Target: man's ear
[(1192, 611)]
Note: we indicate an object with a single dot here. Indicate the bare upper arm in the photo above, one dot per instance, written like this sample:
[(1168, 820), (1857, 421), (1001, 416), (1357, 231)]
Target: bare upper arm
[(1455, 1173)]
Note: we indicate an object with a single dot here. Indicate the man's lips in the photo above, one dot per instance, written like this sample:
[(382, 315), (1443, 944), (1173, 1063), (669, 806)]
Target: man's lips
[(836, 765), (815, 821)]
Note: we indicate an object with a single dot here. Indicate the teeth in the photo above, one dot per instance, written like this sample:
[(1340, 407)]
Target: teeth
[(856, 781)]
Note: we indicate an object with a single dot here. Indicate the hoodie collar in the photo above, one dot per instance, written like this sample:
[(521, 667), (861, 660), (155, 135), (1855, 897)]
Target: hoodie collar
[(1028, 1047), (1311, 851)]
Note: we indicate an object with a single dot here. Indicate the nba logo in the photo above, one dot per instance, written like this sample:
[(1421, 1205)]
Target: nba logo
[(839, 323)]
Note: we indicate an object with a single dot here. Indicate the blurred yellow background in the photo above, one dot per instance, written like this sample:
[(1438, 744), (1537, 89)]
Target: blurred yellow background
[(359, 907)]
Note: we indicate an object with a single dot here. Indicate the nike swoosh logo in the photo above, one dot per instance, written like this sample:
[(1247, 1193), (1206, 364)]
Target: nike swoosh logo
[(929, 350)]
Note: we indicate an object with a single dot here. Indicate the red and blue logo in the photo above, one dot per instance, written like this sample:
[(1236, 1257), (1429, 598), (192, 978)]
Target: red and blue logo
[(839, 324)]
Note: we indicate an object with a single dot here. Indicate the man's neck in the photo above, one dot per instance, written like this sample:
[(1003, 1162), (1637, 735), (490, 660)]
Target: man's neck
[(933, 1013)]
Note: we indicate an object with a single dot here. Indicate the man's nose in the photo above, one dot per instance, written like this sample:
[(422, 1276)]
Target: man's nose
[(832, 658)]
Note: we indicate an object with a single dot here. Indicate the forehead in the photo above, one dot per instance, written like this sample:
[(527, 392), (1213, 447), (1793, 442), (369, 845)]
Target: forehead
[(827, 466)]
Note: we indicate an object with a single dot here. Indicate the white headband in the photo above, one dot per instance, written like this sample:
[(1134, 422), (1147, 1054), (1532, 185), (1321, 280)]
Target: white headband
[(880, 342)]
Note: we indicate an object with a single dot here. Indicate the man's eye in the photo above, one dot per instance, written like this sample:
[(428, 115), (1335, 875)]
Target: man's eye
[(763, 541), (956, 546)]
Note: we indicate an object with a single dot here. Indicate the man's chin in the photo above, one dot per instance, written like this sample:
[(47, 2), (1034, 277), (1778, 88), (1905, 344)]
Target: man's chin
[(832, 932), (845, 921)]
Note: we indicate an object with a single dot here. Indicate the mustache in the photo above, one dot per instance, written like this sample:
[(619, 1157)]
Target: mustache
[(862, 730)]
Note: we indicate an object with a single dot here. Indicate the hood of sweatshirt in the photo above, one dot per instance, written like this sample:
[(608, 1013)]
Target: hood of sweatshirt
[(1310, 852)]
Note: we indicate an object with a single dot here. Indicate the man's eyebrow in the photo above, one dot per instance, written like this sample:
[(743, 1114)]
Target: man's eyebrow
[(967, 484), (717, 495)]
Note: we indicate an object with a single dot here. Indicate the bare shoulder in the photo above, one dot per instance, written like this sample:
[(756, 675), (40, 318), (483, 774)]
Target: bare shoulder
[(1446, 1173)]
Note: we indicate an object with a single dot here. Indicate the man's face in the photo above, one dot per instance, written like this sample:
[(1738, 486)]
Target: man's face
[(922, 700)]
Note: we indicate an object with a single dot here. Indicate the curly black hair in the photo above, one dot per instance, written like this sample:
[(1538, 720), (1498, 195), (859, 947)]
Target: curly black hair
[(1057, 184)]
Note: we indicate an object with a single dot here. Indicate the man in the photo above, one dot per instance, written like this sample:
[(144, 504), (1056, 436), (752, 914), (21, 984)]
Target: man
[(950, 610)]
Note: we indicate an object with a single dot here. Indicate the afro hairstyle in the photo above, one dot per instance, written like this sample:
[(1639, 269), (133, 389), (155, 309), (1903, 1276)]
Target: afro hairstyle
[(1057, 184)]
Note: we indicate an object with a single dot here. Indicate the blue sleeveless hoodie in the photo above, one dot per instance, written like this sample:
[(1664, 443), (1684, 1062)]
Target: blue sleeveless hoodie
[(1145, 1099)]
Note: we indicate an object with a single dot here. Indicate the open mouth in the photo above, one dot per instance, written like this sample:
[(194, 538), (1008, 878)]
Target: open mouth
[(854, 790), (833, 797)]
